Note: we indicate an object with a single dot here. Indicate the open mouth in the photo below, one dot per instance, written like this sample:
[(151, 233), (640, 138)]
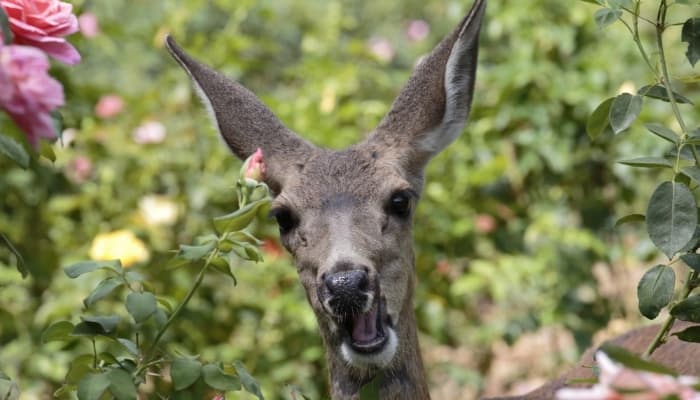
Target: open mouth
[(366, 332)]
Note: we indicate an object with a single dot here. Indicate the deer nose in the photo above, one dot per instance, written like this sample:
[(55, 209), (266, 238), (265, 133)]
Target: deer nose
[(347, 283)]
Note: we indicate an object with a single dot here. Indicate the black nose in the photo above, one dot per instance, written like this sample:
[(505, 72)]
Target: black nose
[(347, 290)]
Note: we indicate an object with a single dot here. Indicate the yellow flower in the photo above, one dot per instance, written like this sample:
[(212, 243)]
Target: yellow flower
[(122, 245)]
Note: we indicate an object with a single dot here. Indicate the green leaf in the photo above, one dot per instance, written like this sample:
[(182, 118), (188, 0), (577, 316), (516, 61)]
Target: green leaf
[(100, 325), (616, 4), (194, 253), (21, 266), (659, 92), (92, 386), (84, 267), (599, 120), (655, 290), (46, 151), (184, 372), (133, 276), (629, 219), (606, 16), (14, 151), (672, 215), (691, 35), (647, 162), (57, 331), (692, 172), (5, 27), (663, 133), (103, 289), (121, 385), (692, 260), (222, 265), (624, 110), (129, 346), (79, 367), (633, 361), (141, 305), (249, 383), (688, 309), (217, 379), (691, 334), (240, 218)]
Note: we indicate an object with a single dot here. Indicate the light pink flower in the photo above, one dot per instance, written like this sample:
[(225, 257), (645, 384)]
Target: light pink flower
[(43, 24), (618, 383), (79, 169), (484, 223), (254, 166), (109, 106), (149, 132), (27, 93), (417, 30), (381, 48), (219, 396), (89, 26)]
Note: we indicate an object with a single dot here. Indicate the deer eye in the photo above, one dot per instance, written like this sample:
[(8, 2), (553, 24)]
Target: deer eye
[(286, 220), (399, 204)]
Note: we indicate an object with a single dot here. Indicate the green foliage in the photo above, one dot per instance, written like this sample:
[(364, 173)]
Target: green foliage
[(655, 290)]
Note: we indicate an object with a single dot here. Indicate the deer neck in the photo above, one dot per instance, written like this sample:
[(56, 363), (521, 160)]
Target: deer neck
[(403, 379)]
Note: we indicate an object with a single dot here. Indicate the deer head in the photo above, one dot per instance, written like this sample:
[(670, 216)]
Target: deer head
[(346, 215)]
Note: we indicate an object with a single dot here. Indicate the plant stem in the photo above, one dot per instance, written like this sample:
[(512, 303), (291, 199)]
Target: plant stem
[(94, 353), (181, 306), (662, 335)]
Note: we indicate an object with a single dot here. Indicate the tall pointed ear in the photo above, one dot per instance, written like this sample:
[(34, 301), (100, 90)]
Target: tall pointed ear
[(244, 122), (431, 110)]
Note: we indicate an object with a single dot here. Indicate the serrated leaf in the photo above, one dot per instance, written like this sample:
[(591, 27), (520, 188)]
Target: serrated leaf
[(663, 133), (691, 35), (92, 386), (647, 162), (688, 309), (691, 334), (655, 290), (121, 385), (103, 289), (84, 267), (606, 16), (624, 110), (141, 305), (57, 331), (629, 219), (672, 216), (14, 151), (599, 120), (194, 253), (217, 379), (184, 372), (633, 361), (249, 383), (240, 218), (129, 346), (659, 92)]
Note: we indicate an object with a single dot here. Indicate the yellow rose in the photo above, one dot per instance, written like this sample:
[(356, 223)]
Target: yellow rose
[(122, 245)]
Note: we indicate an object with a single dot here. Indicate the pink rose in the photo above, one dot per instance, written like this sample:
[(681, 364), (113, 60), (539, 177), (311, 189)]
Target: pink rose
[(381, 48), (109, 106), (79, 169), (254, 166), (149, 132), (89, 26), (43, 24), (417, 30), (27, 93)]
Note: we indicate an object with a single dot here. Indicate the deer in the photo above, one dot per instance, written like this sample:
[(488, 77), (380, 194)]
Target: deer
[(346, 215)]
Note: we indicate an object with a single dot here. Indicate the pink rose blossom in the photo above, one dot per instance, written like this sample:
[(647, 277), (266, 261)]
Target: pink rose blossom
[(149, 132), (254, 166), (619, 383), (417, 30), (43, 24), (89, 26), (485, 223), (219, 396), (27, 93), (109, 106), (79, 169), (381, 48)]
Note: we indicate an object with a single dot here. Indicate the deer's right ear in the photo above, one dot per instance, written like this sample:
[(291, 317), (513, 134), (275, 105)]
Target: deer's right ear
[(244, 122)]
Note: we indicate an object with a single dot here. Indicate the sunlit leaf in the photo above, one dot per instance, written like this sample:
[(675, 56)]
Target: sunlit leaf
[(60, 330), (671, 217), (624, 110), (655, 290), (599, 120), (240, 218), (84, 267)]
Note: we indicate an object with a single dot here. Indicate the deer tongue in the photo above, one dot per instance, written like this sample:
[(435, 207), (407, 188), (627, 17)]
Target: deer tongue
[(364, 326)]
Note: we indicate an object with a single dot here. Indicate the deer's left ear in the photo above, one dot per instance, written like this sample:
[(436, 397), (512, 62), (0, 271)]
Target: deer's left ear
[(431, 110)]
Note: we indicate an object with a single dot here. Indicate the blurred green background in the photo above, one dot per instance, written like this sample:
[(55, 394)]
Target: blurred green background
[(518, 261)]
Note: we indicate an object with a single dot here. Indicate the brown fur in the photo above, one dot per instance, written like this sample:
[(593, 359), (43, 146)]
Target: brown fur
[(339, 198)]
